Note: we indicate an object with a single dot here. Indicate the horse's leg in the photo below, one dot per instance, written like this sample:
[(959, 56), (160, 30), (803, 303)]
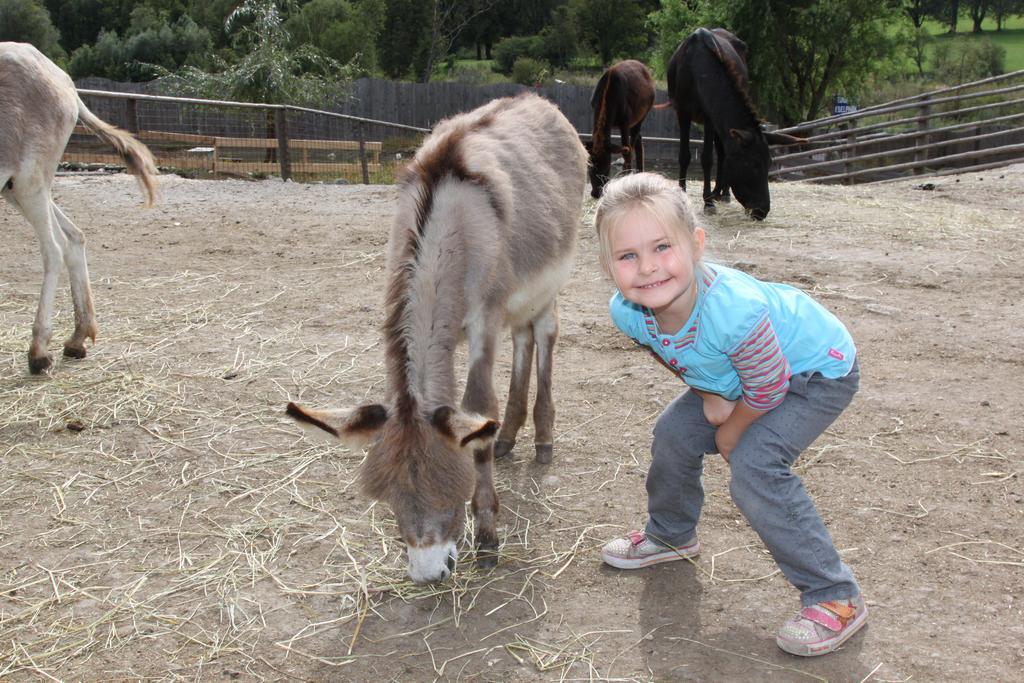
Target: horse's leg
[(637, 144), (545, 332), (33, 201), (480, 398), (707, 153), (684, 146), (721, 193), (627, 151), (518, 391), (81, 294)]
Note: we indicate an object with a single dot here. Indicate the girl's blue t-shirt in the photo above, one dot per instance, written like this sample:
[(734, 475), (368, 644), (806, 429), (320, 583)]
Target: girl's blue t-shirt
[(730, 306)]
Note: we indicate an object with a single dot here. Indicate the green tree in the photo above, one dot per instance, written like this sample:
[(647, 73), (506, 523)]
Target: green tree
[(80, 21), (270, 70), (402, 36), (801, 51), (151, 42), (27, 21), (675, 20), (558, 41), (918, 37), (345, 30), (611, 27)]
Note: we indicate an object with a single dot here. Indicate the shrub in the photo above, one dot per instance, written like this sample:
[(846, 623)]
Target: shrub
[(529, 71), (508, 50), (961, 61)]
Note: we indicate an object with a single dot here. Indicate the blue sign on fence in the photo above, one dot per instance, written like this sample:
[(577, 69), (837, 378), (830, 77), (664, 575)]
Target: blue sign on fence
[(840, 105)]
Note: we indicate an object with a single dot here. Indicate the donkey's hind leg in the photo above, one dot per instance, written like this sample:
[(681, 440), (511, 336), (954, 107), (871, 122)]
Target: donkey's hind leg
[(81, 293), (518, 390), (545, 332), (32, 198)]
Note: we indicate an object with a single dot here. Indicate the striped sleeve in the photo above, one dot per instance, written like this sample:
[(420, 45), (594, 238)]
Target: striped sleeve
[(763, 370)]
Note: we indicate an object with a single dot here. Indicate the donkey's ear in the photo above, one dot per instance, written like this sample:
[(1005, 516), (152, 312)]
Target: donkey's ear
[(741, 135), (355, 427), (773, 138), (464, 428)]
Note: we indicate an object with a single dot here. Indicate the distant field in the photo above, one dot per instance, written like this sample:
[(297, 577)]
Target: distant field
[(1011, 38)]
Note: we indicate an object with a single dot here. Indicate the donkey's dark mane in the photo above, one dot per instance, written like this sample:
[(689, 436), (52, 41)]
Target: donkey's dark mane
[(711, 41), (445, 160), (601, 121)]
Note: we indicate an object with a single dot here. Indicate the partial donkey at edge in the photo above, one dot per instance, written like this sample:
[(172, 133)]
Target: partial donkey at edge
[(483, 238), (40, 107)]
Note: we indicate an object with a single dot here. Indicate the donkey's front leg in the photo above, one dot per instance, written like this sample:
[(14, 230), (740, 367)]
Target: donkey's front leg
[(485, 509), (518, 390), (480, 398), (34, 204), (545, 332)]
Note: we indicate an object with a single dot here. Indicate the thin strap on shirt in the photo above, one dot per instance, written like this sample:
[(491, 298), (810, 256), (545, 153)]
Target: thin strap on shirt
[(763, 370)]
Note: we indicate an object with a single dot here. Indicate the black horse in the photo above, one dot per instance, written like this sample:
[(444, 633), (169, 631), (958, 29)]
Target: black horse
[(622, 99), (707, 84)]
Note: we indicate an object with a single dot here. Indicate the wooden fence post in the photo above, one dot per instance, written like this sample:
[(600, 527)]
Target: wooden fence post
[(851, 154), (131, 116), (922, 125), (281, 125), (361, 136)]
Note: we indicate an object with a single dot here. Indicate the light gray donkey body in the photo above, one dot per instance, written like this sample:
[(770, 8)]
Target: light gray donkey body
[(483, 239), (38, 110)]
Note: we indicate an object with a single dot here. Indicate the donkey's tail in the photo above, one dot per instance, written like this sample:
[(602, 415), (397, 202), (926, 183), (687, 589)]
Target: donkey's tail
[(136, 155)]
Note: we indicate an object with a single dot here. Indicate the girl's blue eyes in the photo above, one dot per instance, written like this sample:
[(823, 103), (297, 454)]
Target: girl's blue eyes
[(659, 248)]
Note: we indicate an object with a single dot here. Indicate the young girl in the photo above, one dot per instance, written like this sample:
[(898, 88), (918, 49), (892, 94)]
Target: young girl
[(769, 369)]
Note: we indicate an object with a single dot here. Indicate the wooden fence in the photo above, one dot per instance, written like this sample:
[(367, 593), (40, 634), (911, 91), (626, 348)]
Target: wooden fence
[(379, 123), (282, 150), (979, 128)]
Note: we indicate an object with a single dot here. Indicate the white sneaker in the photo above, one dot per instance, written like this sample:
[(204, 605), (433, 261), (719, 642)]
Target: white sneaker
[(635, 551)]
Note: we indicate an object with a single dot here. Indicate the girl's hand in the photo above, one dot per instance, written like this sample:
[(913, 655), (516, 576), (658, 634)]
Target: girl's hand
[(726, 438), (716, 408)]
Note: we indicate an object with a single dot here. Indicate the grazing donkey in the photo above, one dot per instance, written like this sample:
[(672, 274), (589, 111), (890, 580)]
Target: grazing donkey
[(622, 99), (40, 107), (483, 237)]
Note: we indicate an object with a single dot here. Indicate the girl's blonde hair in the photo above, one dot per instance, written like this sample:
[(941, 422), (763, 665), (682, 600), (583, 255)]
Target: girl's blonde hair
[(663, 198)]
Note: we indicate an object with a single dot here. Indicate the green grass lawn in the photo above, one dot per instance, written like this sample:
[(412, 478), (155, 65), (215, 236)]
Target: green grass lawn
[(1011, 38)]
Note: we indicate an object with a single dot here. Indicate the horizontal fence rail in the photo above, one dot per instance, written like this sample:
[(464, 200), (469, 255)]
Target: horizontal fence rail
[(873, 144)]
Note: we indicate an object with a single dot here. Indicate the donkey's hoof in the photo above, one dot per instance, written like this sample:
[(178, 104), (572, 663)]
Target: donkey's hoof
[(545, 452), (503, 449), (38, 366), (72, 351), (709, 208), (487, 556)]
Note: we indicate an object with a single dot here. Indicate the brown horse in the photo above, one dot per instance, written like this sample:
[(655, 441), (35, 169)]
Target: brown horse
[(483, 238), (40, 107), (622, 99)]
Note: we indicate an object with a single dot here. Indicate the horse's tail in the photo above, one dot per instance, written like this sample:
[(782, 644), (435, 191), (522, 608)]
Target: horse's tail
[(136, 155)]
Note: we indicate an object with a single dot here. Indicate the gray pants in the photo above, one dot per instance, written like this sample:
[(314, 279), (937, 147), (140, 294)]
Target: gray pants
[(764, 488)]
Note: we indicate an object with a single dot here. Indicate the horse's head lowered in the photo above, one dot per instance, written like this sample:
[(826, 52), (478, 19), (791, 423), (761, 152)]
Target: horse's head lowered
[(599, 168), (747, 161), (420, 465)]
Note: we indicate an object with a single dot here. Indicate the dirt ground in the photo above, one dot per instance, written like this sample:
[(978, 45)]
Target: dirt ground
[(160, 519)]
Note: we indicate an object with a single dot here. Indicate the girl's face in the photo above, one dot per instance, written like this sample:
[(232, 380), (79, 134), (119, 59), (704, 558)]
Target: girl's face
[(650, 270)]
